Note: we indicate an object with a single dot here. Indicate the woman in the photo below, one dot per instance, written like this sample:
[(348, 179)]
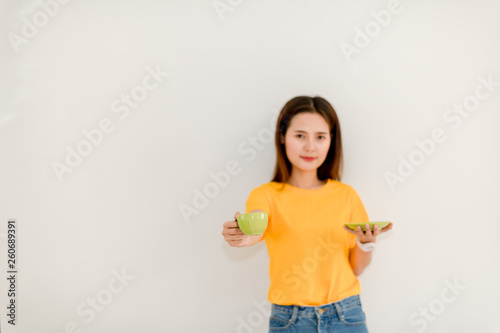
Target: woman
[(314, 258)]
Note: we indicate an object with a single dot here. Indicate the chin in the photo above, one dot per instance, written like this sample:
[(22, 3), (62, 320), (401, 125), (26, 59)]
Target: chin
[(309, 168)]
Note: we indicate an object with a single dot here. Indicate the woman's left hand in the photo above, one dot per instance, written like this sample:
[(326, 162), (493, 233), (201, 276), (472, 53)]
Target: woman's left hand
[(368, 235)]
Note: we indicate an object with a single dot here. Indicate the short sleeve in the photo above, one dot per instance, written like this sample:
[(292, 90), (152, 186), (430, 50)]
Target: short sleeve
[(358, 215), (258, 200)]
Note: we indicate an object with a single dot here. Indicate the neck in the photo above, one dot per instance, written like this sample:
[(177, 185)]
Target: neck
[(307, 180)]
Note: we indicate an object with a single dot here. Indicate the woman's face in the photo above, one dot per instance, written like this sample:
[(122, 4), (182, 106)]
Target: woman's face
[(307, 141)]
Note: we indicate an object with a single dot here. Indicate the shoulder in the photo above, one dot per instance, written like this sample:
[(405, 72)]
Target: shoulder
[(338, 185), (266, 188), (345, 189)]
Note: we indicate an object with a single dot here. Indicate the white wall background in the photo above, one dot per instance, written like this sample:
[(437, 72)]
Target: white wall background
[(118, 210)]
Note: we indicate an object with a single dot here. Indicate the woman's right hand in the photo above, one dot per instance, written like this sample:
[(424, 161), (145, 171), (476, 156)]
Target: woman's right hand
[(235, 237)]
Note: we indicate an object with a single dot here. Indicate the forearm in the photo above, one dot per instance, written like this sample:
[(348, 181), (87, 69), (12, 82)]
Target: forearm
[(359, 260), (357, 257)]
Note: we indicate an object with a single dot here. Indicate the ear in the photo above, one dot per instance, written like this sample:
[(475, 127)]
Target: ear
[(282, 138)]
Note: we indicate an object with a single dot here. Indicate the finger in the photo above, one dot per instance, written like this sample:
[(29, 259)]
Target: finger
[(232, 232), (228, 230), (236, 214), (235, 243), (368, 231), (376, 231), (231, 235), (231, 224), (235, 232), (234, 225), (234, 238), (359, 231)]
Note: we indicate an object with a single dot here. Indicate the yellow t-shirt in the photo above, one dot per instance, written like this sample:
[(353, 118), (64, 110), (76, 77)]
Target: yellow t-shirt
[(308, 248)]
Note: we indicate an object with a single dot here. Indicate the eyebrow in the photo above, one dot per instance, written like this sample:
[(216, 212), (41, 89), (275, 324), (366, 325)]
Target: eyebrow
[(300, 131)]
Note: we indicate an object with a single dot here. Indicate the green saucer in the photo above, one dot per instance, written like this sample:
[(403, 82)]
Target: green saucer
[(381, 225)]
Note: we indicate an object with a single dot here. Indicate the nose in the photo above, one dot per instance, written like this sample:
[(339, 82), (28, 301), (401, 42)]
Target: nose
[(310, 145)]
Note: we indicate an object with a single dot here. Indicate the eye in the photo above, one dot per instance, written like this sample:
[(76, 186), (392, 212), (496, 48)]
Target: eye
[(321, 137), (299, 136)]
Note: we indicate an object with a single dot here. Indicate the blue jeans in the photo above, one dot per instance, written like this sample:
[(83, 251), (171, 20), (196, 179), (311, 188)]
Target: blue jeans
[(344, 316)]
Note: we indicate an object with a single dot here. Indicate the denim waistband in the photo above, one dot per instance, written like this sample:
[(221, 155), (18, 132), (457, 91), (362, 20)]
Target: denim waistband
[(300, 310)]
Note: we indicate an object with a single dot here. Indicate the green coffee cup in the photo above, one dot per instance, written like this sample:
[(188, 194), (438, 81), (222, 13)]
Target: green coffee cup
[(252, 224)]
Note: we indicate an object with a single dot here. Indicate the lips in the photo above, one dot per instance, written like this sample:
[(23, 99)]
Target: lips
[(308, 159)]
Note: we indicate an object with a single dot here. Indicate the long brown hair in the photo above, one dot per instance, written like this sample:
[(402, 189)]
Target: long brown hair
[(332, 166)]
